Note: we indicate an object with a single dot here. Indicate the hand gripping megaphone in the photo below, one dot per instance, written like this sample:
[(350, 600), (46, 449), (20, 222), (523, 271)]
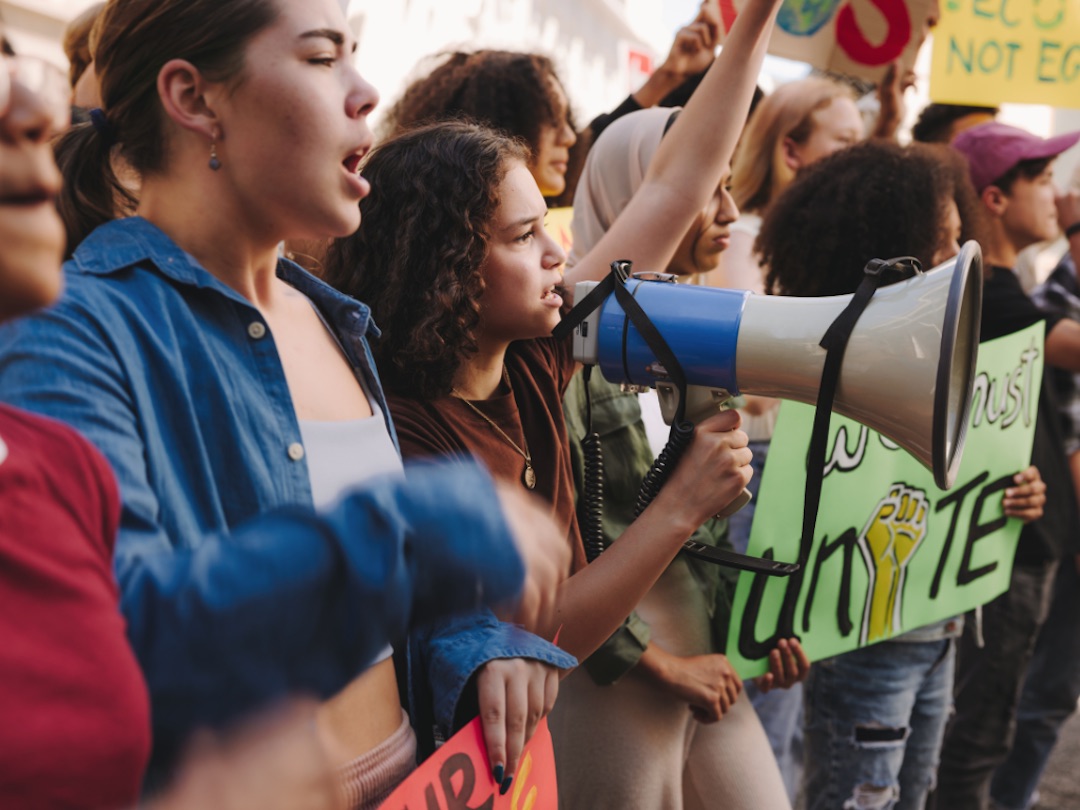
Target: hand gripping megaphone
[(908, 367)]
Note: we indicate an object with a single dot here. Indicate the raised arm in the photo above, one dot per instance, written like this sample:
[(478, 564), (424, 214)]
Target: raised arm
[(691, 54), (692, 156)]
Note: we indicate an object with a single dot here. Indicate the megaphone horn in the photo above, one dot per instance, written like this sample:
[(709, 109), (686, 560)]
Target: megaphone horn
[(907, 373)]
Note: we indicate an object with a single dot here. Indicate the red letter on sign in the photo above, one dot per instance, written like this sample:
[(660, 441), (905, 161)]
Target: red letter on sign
[(727, 14), (860, 49)]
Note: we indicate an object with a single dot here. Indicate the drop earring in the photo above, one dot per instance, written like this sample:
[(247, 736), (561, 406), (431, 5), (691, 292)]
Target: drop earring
[(215, 164)]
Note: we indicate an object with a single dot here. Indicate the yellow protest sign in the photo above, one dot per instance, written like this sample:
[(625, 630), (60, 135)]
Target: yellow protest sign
[(557, 223), (991, 51)]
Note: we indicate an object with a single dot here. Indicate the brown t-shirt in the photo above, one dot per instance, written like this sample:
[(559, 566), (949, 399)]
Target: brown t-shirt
[(531, 414)]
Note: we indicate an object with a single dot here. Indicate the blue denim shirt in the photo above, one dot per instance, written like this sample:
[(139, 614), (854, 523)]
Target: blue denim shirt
[(234, 590)]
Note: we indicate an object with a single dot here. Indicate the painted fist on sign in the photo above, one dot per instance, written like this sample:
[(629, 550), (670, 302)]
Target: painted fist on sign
[(889, 541)]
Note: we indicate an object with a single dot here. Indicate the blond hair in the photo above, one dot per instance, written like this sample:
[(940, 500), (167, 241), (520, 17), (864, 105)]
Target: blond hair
[(759, 172)]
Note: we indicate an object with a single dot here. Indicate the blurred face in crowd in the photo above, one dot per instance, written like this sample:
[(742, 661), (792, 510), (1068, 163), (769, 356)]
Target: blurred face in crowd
[(1028, 213), (835, 126), (709, 236), (31, 233), (552, 157), (950, 233)]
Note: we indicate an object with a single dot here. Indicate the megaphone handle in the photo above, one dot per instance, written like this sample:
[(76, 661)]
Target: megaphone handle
[(741, 500), (743, 562)]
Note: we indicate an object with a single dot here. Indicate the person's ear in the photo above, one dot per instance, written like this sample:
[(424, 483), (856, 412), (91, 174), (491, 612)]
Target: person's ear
[(789, 150), (995, 200), (187, 98)]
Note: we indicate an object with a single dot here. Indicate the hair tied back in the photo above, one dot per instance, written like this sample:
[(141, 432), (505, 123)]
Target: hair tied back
[(104, 129)]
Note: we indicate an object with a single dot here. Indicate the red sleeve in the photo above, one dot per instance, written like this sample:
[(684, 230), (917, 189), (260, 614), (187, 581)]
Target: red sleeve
[(101, 511), (109, 494)]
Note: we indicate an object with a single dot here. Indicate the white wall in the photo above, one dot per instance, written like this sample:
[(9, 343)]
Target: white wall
[(588, 39), (36, 27)]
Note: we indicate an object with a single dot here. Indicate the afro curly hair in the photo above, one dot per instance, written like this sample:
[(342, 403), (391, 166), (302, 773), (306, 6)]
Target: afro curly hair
[(873, 200), (507, 90)]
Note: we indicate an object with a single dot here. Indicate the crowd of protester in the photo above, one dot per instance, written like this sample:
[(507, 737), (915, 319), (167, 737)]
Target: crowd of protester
[(271, 533)]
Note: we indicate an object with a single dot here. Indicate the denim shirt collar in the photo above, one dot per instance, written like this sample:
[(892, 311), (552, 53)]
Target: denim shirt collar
[(132, 241)]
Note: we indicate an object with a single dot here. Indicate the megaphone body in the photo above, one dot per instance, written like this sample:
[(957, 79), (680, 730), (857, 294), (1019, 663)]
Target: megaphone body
[(907, 373)]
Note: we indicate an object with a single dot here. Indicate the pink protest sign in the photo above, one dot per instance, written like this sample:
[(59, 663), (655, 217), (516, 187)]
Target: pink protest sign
[(458, 777)]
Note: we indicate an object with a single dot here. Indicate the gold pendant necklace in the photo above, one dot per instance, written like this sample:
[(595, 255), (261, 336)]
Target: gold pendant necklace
[(529, 474)]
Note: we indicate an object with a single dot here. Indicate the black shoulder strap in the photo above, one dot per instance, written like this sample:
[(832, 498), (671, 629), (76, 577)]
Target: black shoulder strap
[(877, 272)]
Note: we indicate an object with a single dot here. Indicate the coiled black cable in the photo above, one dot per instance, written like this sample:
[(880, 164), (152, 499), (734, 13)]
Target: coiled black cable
[(682, 433), (592, 498), (591, 508)]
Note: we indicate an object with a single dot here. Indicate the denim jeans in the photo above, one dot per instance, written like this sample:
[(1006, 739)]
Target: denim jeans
[(1051, 689), (874, 721), (988, 683)]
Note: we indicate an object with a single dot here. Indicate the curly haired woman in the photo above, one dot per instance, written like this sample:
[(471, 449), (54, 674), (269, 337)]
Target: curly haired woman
[(518, 93), (458, 269)]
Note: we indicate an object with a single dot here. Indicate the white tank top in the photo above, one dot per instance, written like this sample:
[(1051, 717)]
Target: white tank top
[(342, 455)]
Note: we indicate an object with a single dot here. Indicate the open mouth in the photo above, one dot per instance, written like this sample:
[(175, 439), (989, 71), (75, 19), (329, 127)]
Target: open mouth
[(352, 163), (553, 295)]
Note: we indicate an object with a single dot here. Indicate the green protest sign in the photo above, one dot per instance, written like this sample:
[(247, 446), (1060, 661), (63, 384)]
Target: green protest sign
[(891, 552)]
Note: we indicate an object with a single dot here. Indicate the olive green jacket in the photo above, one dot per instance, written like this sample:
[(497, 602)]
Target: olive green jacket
[(627, 457)]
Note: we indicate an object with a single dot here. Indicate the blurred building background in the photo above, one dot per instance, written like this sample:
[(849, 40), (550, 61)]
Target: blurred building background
[(603, 49)]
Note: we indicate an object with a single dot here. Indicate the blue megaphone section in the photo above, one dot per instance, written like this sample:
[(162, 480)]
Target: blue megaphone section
[(700, 324)]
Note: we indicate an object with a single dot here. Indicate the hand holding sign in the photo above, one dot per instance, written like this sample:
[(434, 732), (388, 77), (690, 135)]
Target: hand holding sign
[(788, 665), (514, 695), (457, 777), (1027, 499)]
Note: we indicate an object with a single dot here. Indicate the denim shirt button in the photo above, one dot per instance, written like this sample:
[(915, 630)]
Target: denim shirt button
[(296, 451), (256, 330)]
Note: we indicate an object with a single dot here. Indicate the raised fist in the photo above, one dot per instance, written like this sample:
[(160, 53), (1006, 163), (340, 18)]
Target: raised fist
[(888, 542)]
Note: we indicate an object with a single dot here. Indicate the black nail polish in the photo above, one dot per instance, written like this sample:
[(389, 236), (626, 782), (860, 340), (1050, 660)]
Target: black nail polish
[(505, 785), (497, 772)]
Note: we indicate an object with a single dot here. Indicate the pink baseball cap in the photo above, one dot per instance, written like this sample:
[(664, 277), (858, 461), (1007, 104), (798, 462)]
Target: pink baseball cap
[(993, 148)]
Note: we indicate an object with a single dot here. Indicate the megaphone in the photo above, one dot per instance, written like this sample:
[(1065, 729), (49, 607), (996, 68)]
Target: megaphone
[(907, 373)]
